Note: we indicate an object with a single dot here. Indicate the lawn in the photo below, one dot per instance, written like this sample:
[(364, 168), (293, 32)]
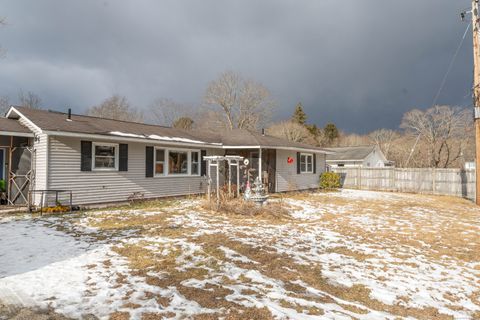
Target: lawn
[(339, 255)]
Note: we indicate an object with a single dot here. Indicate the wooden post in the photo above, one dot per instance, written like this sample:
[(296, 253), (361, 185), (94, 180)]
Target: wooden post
[(218, 186), (229, 179), (238, 178), (260, 165), (476, 95), (209, 180)]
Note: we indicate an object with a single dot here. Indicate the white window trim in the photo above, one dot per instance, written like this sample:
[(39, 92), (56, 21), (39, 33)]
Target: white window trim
[(166, 162), (307, 155), (155, 162), (116, 145)]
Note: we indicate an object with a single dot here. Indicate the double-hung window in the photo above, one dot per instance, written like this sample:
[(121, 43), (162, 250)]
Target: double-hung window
[(159, 162), (195, 163), (105, 156), (306, 163)]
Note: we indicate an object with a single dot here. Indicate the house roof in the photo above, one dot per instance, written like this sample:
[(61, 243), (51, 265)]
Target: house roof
[(10, 125), (250, 138), (53, 121), (349, 153)]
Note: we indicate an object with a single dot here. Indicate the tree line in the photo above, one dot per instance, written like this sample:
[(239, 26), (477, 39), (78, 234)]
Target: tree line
[(440, 137)]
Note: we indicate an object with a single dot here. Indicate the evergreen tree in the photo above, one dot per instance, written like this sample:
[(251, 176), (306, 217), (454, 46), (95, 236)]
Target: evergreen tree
[(299, 115), (331, 133)]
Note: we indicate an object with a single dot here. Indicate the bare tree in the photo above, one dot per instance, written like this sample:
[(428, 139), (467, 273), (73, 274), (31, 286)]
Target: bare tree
[(167, 112), (244, 103), (4, 104), (118, 108), (3, 22), (184, 123), (29, 100), (351, 139), (384, 139), (290, 130), (442, 130)]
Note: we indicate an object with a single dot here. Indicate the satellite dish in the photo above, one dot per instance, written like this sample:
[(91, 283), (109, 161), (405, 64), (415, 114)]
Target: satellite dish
[(246, 162)]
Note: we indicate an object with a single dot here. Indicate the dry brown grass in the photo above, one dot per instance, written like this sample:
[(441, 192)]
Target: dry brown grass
[(438, 222), (269, 210)]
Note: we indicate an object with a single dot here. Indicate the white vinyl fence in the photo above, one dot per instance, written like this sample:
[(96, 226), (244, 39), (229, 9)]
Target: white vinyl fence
[(453, 182)]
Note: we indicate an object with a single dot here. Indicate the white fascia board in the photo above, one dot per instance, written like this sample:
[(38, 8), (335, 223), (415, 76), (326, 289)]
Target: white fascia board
[(302, 150), (13, 109), (280, 148), (242, 147), (17, 134), (334, 160), (130, 139)]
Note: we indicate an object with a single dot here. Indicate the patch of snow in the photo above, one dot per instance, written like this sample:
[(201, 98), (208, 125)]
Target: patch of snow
[(29, 244)]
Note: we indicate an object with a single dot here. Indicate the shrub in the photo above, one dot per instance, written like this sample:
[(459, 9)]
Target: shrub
[(329, 180)]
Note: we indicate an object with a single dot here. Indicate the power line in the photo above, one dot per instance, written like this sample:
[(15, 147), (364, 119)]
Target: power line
[(452, 61), (442, 86)]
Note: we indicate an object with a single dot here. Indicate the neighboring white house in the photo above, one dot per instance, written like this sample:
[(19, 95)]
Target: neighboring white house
[(358, 156), (103, 160)]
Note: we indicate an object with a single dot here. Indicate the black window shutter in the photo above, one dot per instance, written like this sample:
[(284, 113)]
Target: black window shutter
[(149, 162), (86, 155), (298, 162), (123, 157), (203, 170), (314, 163)]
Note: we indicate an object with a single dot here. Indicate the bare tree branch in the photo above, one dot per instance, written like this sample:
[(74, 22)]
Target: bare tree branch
[(245, 104), (118, 108)]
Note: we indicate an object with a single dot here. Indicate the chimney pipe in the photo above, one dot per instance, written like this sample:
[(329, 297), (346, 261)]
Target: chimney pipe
[(263, 131), (69, 116)]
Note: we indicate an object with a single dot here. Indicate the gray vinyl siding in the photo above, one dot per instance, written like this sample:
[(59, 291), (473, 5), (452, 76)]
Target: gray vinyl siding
[(287, 178), (112, 186)]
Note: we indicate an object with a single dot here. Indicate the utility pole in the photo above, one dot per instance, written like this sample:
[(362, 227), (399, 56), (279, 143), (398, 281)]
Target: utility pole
[(476, 94)]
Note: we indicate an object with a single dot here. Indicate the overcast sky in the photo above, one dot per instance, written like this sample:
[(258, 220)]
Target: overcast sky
[(359, 64)]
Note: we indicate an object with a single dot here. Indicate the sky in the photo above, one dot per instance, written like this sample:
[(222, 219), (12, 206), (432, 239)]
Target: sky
[(358, 64)]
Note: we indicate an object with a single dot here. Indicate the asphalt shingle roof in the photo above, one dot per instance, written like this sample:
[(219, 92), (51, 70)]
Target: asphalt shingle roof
[(10, 125), (349, 153), (57, 121)]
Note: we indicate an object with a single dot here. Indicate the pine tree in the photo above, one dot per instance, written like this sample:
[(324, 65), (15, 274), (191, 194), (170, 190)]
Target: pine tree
[(331, 133), (299, 115)]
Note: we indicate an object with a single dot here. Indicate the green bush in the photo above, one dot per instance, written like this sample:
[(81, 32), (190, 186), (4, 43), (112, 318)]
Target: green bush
[(2, 186), (329, 180)]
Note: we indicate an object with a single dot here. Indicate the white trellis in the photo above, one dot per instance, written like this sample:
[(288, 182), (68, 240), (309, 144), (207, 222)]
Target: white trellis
[(216, 161)]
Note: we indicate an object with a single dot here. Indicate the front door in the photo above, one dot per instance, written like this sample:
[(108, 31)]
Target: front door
[(269, 164)]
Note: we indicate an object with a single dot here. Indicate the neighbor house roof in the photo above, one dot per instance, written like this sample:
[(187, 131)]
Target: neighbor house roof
[(53, 122), (349, 153), (13, 126)]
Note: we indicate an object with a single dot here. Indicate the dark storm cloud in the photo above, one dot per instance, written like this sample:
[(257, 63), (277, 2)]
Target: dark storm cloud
[(360, 64)]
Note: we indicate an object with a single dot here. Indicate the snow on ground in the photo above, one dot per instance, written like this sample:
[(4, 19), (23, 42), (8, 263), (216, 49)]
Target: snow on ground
[(343, 255)]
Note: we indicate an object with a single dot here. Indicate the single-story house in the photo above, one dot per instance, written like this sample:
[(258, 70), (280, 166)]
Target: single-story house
[(102, 160), (357, 157)]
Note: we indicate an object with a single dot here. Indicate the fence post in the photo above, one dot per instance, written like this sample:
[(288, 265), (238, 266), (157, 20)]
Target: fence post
[(394, 178), (433, 181), (359, 178)]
